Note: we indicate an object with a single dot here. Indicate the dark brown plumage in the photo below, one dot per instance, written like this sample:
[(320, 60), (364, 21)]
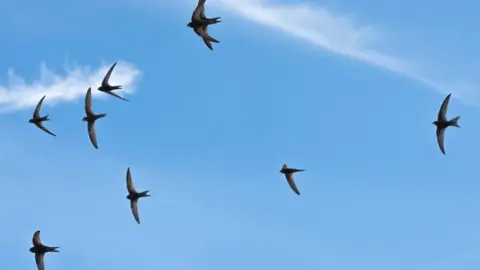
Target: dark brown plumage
[(91, 118), (200, 23), (40, 249), (133, 196), (37, 119), (107, 88), (442, 123), (289, 176)]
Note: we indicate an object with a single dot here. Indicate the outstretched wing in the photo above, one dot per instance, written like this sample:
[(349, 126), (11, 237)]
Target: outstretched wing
[(36, 238), (130, 186), (440, 139), (92, 134), (442, 114), (40, 125), (134, 207), (107, 76), (203, 33), (291, 182), (39, 261), (199, 10), (36, 113), (88, 102), (115, 95)]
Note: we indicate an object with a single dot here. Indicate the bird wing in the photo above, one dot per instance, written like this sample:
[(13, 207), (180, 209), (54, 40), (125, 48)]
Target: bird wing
[(199, 10), (40, 125), (202, 32), (290, 181), (36, 239), (91, 134), (134, 207), (130, 186), (88, 102), (442, 114), (36, 113), (39, 261), (440, 139), (107, 76), (115, 95)]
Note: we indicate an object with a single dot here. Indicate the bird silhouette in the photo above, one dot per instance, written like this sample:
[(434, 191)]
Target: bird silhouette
[(106, 87), (40, 249), (133, 196), (199, 23), (37, 119), (91, 117), (442, 123), (289, 176)]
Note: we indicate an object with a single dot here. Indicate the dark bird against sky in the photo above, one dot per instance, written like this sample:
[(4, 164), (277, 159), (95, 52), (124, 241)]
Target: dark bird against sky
[(91, 118), (200, 23), (442, 123), (37, 119), (133, 196), (106, 87), (40, 249), (289, 176)]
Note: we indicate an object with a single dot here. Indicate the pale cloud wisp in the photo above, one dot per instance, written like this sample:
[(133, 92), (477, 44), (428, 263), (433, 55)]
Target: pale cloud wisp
[(19, 94), (338, 34)]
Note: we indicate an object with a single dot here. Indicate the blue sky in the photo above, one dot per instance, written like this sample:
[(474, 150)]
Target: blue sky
[(347, 91)]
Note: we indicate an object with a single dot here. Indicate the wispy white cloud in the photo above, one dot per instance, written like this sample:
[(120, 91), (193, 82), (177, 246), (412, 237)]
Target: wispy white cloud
[(19, 94), (338, 34)]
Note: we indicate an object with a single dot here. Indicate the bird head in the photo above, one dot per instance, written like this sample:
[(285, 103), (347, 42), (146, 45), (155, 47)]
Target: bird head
[(190, 24), (84, 119), (31, 250), (435, 123), (30, 121)]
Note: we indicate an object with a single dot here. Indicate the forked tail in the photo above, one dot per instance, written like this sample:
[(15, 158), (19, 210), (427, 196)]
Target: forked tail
[(454, 122), (101, 115), (215, 20)]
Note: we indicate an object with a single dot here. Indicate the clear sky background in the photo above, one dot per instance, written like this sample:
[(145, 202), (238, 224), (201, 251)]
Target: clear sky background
[(346, 90)]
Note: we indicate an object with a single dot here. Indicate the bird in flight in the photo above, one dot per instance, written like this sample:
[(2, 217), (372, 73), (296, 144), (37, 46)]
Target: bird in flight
[(40, 249), (91, 117), (133, 196), (37, 119), (442, 123), (289, 176), (106, 87), (199, 23)]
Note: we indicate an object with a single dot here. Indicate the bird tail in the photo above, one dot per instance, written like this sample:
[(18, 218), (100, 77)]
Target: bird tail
[(115, 87), (454, 122), (101, 115), (144, 193), (53, 249), (215, 20), (45, 118)]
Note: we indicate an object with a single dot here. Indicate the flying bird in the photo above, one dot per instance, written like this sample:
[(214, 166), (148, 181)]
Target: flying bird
[(442, 123), (133, 196), (289, 175), (40, 249), (37, 119), (200, 23), (106, 87), (91, 117)]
